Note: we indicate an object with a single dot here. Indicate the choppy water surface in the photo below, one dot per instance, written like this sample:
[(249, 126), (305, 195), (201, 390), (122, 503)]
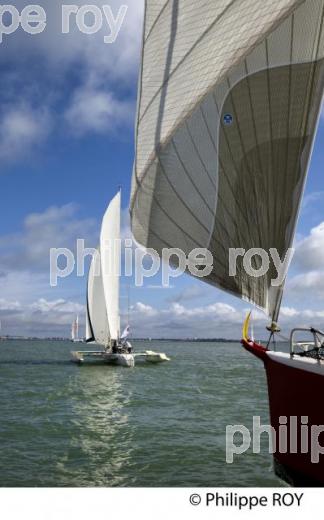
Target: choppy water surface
[(154, 425)]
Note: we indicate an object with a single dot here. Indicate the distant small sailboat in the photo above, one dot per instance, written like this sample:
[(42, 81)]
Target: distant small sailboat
[(103, 314), (75, 331)]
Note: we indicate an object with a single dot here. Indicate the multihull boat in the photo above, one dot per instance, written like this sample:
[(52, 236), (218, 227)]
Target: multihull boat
[(103, 315), (229, 101)]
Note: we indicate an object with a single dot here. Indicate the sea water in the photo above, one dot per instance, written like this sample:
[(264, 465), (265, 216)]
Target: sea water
[(154, 425)]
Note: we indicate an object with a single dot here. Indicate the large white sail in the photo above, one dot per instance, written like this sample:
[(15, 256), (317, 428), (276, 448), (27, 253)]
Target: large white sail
[(97, 328), (110, 251), (73, 330), (229, 99)]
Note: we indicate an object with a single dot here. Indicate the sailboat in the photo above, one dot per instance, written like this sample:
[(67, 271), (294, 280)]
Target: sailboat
[(75, 331), (229, 102), (103, 313)]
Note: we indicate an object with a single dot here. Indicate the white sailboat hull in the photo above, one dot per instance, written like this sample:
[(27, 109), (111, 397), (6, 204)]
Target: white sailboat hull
[(126, 360), (108, 358), (152, 357)]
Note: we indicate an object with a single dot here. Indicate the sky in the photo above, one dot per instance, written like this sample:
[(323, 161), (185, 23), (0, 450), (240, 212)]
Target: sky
[(67, 112)]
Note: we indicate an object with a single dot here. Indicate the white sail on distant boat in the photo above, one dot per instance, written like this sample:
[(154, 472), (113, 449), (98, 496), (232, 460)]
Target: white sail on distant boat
[(75, 331), (103, 313)]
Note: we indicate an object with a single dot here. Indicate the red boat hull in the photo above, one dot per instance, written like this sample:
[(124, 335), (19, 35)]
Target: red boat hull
[(295, 388)]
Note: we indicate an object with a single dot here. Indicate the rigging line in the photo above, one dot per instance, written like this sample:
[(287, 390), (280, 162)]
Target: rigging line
[(128, 304)]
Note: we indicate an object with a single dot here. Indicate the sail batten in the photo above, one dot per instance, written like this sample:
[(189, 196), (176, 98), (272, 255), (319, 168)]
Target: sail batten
[(229, 98)]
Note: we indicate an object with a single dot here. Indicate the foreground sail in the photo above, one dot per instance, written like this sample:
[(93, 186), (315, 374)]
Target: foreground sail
[(229, 100), (228, 105)]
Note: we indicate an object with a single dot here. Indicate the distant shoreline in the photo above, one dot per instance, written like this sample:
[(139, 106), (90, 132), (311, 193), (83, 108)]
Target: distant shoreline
[(188, 340)]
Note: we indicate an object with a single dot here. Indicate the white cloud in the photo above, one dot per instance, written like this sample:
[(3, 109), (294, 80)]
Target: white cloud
[(58, 306), (50, 317), (178, 321), (97, 111), (309, 254), (312, 198), (57, 226), (288, 312), (59, 52), (42, 317), (217, 320), (9, 305), (307, 286), (23, 286), (22, 128), (78, 78), (215, 309), (145, 310)]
